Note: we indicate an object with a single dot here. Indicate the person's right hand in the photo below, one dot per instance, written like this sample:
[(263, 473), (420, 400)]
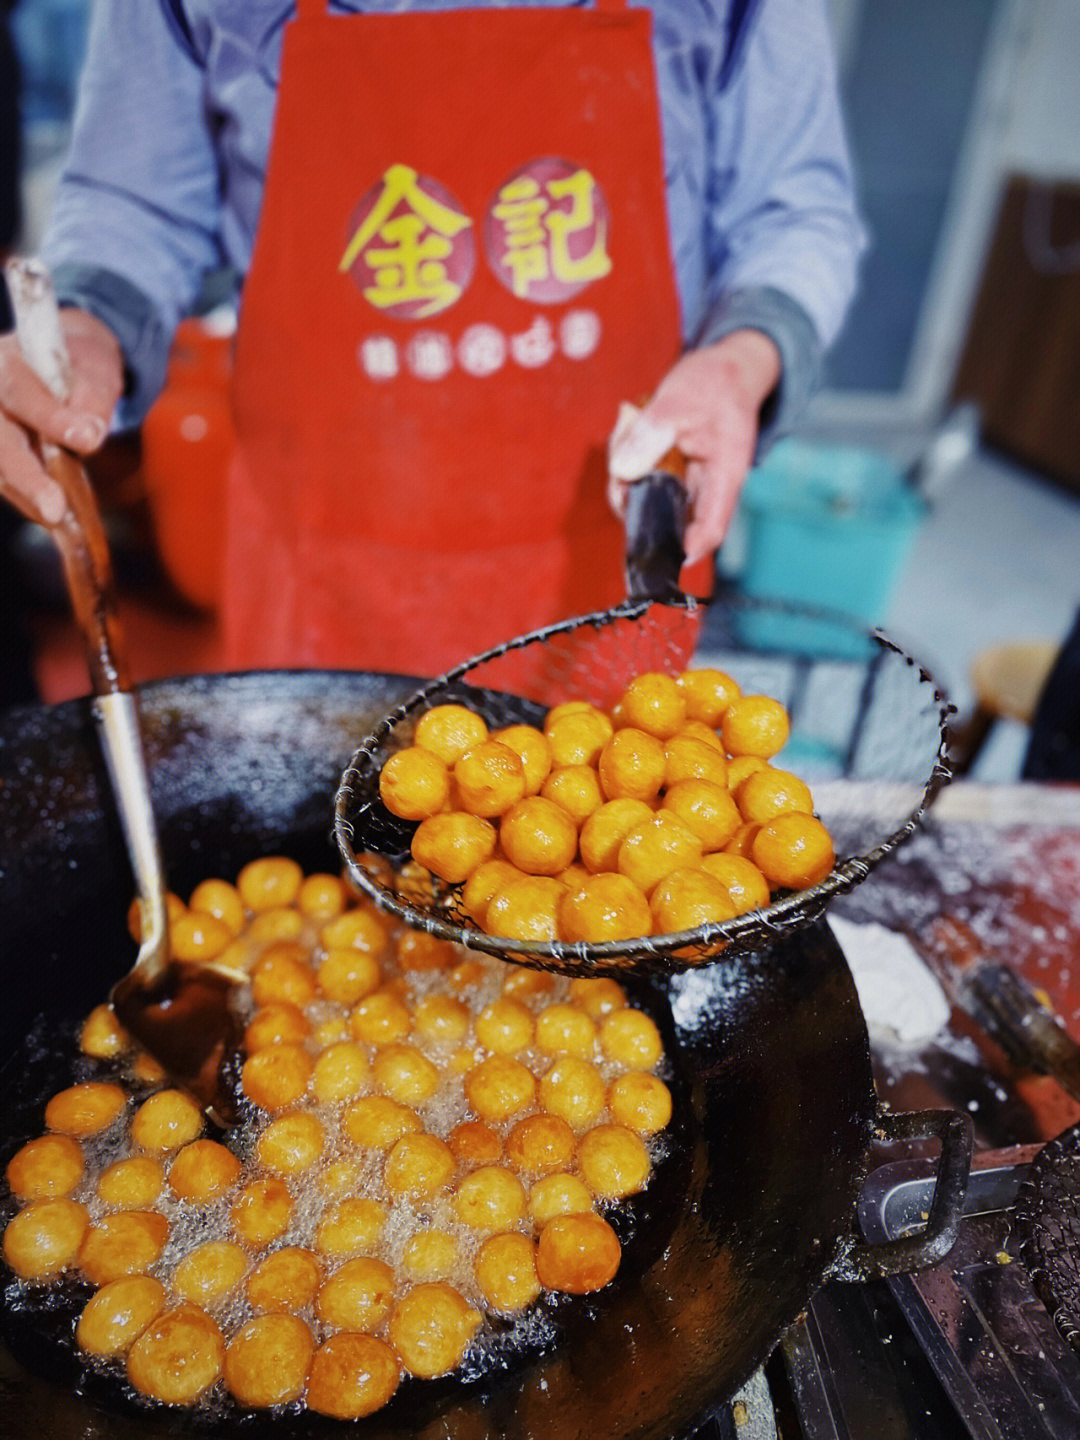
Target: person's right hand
[(28, 409)]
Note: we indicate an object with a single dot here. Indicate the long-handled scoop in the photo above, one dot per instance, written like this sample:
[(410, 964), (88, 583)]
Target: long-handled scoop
[(180, 1012)]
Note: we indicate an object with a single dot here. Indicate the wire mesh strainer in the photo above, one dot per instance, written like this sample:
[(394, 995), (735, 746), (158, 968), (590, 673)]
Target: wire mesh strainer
[(869, 731)]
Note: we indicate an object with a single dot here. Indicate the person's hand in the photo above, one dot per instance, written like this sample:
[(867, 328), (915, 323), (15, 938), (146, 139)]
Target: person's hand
[(28, 409), (709, 405)]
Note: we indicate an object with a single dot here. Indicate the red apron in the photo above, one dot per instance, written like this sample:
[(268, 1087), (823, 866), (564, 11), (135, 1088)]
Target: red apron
[(462, 267)]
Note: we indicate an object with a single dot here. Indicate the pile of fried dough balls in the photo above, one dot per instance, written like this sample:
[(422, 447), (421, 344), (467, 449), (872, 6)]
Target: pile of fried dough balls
[(432, 1138), (661, 816)]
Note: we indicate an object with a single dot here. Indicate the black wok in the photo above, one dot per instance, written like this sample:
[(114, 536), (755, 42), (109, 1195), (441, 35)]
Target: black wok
[(751, 1214)]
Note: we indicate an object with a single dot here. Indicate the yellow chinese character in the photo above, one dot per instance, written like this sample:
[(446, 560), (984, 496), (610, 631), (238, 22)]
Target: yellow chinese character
[(580, 217), (408, 265), (521, 209)]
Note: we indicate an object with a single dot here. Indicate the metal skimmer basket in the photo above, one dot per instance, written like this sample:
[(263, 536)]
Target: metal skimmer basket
[(1046, 1229), (869, 733)]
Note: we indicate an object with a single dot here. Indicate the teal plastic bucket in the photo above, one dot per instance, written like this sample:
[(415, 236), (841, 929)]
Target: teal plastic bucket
[(826, 526)]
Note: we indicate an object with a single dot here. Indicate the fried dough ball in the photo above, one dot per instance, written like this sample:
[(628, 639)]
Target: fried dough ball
[(146, 1070), (280, 922), (167, 1121), (203, 1170), (655, 703), (690, 758), (560, 1194), (419, 952), (577, 1254), (380, 1018), (742, 842), (414, 783), (376, 1121), (280, 1023), (500, 1087), (488, 779), (85, 1109), (267, 1360), (613, 1161), (640, 1101), (574, 1091), (210, 1272), (475, 1143), (534, 751), (178, 1357), (292, 1143), (276, 1078), (698, 730), (754, 725), (284, 1281), (340, 1072), (47, 1168), (360, 929), (568, 707), (769, 792), (270, 881), (174, 908), (505, 1270), (198, 936), (44, 1239), (341, 1177), (505, 1027), (418, 1165), (564, 1029), (357, 1296), (597, 997), (708, 693), (451, 845), (631, 766), (405, 1073), (630, 1038), (126, 1243), (793, 851), (350, 1227), (102, 1035), (577, 738), (442, 1018), (526, 909), (656, 847), (490, 1198), (686, 899), (576, 788), (430, 1328), (449, 731), (351, 1376), (132, 1184), (706, 809), (429, 1255), (607, 906), (282, 973), (262, 1212), (520, 982), (322, 897), (606, 829), (114, 1318), (482, 885), (223, 901), (538, 836), (540, 1145), (746, 886)]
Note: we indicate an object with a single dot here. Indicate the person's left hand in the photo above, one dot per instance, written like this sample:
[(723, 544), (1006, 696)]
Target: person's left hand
[(710, 402)]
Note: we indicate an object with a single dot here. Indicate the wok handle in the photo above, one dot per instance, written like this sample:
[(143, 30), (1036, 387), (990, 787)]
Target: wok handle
[(655, 525), (869, 1261)]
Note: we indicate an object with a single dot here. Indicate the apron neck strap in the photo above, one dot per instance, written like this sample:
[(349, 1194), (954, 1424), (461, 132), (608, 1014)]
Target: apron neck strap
[(314, 9)]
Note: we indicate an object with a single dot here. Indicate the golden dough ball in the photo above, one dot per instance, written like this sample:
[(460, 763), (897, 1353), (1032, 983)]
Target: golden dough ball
[(146, 1070), (505, 1026), (210, 1272), (377, 1121), (532, 748), (126, 1243), (429, 1255), (132, 1184), (640, 1101), (449, 731), (474, 1143), (687, 899), (689, 758), (276, 1024), (322, 897), (48, 1168), (102, 1035), (452, 845), (276, 1078), (380, 1018), (359, 929), (742, 842), (203, 1170), (538, 836), (464, 1060), (500, 1087), (606, 829), (574, 1091), (597, 996), (85, 1109), (521, 982), (578, 738), (44, 1239), (698, 730), (166, 1121), (740, 766), (746, 886), (340, 1072), (769, 792), (467, 975), (114, 1318), (414, 783), (198, 937), (269, 882), (540, 1145), (357, 1296), (607, 906), (560, 1194), (613, 1161), (280, 922), (568, 707), (262, 1212), (174, 908), (631, 1039), (708, 693), (526, 909), (267, 1361), (488, 779), (291, 1144), (573, 877), (221, 900), (417, 951), (350, 1228), (490, 1198), (577, 1254), (442, 1018), (334, 1031), (285, 1281), (564, 1029), (405, 1073), (755, 725), (419, 1165), (655, 703), (505, 1270), (430, 1328), (656, 847), (282, 973), (178, 1357), (482, 884), (352, 1376), (708, 810), (577, 789), (342, 1177), (793, 851), (631, 767)]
